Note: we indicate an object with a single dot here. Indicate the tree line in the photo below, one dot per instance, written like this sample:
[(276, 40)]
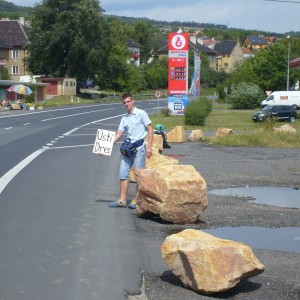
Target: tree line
[(74, 38)]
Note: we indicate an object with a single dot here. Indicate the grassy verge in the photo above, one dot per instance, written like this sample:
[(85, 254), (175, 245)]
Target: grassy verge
[(246, 132)]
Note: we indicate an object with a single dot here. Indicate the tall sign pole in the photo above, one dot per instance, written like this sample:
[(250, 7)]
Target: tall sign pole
[(178, 72)]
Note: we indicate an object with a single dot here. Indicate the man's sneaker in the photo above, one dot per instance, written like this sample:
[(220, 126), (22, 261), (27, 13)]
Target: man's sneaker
[(132, 204), (118, 203)]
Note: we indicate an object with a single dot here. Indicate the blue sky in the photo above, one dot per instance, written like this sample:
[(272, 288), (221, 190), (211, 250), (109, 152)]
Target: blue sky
[(271, 16)]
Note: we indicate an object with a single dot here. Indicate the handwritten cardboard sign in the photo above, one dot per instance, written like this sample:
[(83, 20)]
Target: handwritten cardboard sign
[(104, 142)]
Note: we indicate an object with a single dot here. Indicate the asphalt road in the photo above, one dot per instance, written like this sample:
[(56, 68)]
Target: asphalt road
[(58, 237), (60, 240)]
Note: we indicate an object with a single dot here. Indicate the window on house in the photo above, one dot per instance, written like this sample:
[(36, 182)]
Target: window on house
[(15, 54), (67, 83), (15, 70), (225, 66)]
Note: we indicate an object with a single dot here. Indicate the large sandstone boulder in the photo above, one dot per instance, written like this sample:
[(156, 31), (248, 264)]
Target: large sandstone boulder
[(177, 193), (285, 128), (208, 264), (196, 135), (176, 135), (223, 132), (156, 160)]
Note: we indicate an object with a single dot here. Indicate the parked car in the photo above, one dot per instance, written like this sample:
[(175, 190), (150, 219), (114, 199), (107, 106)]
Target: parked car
[(278, 112)]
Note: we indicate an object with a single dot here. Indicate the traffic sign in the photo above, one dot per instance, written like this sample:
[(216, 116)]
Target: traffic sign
[(158, 94)]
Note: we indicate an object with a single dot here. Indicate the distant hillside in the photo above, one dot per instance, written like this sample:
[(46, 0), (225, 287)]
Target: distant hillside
[(10, 7), (166, 23)]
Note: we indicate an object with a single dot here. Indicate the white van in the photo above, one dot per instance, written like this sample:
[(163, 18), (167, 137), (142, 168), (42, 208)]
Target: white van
[(283, 98)]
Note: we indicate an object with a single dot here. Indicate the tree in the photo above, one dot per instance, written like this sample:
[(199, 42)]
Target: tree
[(267, 69), (68, 38), (142, 33), (4, 75), (156, 73), (246, 96)]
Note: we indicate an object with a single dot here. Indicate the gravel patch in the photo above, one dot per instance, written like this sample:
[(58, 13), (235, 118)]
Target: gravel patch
[(224, 167)]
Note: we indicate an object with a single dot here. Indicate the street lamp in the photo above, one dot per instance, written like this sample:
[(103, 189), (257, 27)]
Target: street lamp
[(288, 65)]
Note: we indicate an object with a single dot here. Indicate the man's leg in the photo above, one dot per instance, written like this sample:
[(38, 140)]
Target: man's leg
[(123, 189), (139, 163), (125, 165)]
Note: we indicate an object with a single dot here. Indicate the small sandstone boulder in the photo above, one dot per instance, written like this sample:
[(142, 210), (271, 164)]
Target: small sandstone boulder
[(285, 128), (223, 131), (208, 264), (176, 135), (158, 142), (196, 135), (177, 193)]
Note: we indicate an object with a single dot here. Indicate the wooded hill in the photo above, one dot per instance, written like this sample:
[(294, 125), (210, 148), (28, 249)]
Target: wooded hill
[(10, 10)]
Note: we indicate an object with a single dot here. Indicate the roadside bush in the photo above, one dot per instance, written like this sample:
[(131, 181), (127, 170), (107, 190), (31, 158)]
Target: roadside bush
[(246, 95), (196, 112)]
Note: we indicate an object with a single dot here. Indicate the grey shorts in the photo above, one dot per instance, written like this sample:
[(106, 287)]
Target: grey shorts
[(138, 161)]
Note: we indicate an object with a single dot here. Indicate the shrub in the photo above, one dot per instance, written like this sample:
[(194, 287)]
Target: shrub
[(196, 112), (246, 95)]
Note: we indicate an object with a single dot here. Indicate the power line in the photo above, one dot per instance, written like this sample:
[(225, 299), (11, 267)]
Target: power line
[(283, 1)]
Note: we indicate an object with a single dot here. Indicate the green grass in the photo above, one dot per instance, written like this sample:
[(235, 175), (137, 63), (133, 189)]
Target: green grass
[(246, 132)]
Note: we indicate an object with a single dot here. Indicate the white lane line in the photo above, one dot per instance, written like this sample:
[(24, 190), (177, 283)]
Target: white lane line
[(58, 109), (9, 176), (68, 116), (5, 179), (26, 124), (71, 131), (73, 146), (7, 128)]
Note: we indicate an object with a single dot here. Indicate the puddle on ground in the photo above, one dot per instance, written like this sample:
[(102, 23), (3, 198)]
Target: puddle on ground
[(281, 239), (283, 197)]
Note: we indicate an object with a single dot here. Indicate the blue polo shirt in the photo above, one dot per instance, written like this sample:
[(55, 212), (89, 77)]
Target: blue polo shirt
[(134, 124)]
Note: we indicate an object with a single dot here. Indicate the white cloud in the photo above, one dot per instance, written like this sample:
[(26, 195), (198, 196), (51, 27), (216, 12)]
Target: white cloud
[(255, 14)]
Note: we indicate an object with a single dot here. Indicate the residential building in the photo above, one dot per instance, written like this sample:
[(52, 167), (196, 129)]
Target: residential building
[(210, 53), (295, 63), (255, 42), (229, 53), (58, 86), (134, 52), (247, 52), (13, 43)]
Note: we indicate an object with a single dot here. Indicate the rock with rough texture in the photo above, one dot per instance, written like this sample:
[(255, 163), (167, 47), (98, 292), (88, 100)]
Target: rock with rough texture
[(177, 193), (158, 142), (176, 135), (196, 135), (285, 128), (156, 160), (223, 131), (208, 264)]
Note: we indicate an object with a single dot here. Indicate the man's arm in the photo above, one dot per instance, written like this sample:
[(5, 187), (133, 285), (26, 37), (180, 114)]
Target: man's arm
[(118, 135), (150, 140)]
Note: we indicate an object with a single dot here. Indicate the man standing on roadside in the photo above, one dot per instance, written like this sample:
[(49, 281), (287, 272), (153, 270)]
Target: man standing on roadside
[(137, 125)]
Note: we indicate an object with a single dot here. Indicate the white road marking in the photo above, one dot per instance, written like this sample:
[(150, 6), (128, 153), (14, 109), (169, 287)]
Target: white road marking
[(59, 109), (26, 124), (7, 128), (73, 146), (9, 176), (5, 179), (68, 116)]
